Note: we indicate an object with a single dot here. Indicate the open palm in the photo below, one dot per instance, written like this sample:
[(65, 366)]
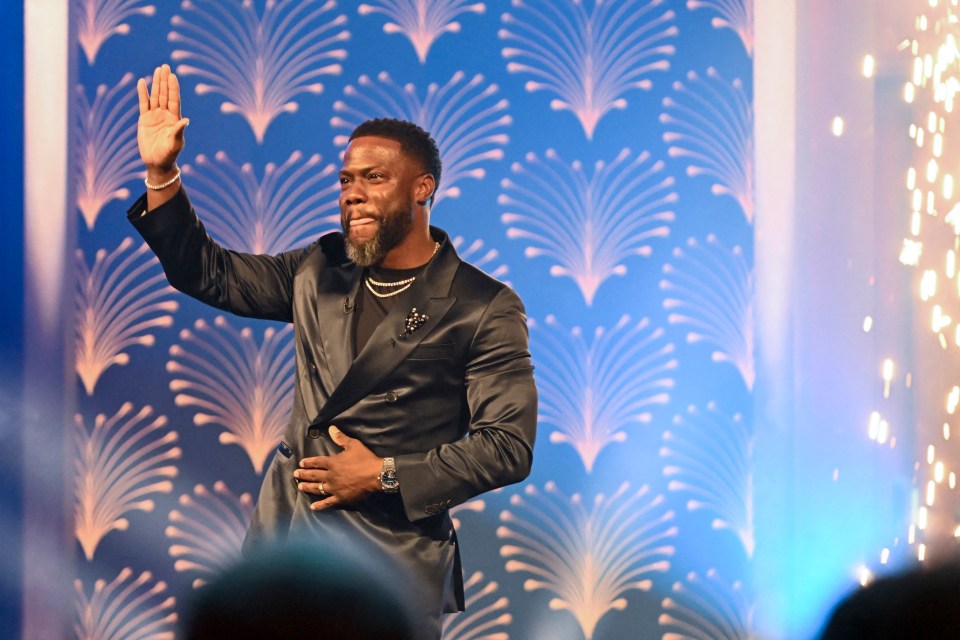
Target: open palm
[(160, 127)]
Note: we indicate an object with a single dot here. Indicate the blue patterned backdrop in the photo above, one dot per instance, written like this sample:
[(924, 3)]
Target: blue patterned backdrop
[(598, 156)]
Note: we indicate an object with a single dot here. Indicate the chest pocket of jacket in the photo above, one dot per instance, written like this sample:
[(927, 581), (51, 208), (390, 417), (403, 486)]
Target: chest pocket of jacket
[(442, 351)]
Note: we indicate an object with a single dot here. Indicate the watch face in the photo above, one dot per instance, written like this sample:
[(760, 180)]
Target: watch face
[(388, 476), (388, 480)]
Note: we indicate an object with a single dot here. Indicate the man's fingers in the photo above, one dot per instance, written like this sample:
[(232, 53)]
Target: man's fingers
[(173, 99), (338, 437), (180, 126), (142, 96), (164, 86), (326, 503), (308, 475), (316, 462), (314, 488), (155, 89)]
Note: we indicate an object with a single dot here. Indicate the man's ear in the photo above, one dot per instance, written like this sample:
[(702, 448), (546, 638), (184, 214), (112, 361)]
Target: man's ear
[(425, 186)]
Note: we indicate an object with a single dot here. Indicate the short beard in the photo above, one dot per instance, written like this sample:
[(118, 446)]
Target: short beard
[(391, 231)]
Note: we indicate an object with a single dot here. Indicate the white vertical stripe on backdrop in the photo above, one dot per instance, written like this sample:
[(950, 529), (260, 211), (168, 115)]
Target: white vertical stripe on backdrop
[(48, 298), (775, 108), (46, 96)]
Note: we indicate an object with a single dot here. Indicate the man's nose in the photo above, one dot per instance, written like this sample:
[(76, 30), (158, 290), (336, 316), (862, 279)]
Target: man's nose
[(353, 195)]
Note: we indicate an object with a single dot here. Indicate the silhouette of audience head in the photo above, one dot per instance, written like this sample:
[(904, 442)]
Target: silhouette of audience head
[(921, 603), (334, 590)]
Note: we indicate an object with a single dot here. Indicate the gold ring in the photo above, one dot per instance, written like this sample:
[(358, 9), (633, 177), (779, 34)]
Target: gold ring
[(322, 492)]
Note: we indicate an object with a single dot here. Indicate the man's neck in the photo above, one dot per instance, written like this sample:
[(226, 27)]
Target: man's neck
[(412, 253)]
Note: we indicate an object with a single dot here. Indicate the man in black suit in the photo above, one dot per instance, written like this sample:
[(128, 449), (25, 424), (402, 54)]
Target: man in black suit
[(414, 389)]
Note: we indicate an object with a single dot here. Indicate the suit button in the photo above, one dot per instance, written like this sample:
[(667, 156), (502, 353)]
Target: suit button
[(449, 503), (314, 432), (391, 396), (313, 370)]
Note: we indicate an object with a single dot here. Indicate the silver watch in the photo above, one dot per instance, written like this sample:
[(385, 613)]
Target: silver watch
[(389, 483)]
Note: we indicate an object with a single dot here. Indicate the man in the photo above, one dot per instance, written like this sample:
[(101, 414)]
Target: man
[(414, 389)]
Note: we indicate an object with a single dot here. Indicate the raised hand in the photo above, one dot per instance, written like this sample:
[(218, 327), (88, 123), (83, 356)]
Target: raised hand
[(160, 127)]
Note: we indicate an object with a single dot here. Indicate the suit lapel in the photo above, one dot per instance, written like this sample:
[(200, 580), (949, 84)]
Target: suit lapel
[(335, 307), (390, 345), (327, 302)]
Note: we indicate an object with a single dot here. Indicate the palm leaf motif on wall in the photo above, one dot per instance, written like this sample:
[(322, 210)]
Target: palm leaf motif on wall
[(708, 124), (731, 14), (588, 557), (591, 391), (207, 531), (121, 461), (479, 255), (290, 206), (476, 505), (126, 608), (227, 379), (465, 116), (98, 20), (258, 64), (709, 459), (587, 226), (486, 616), (421, 21), (589, 59), (708, 288), (120, 300), (707, 608), (106, 146)]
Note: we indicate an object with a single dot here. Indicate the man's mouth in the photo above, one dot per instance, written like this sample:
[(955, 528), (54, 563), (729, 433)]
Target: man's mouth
[(361, 221)]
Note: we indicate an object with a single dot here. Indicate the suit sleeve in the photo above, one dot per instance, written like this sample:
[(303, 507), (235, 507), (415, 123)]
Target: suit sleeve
[(256, 286), (502, 401)]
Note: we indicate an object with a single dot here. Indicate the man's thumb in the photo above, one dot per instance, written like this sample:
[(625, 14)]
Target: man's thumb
[(337, 436)]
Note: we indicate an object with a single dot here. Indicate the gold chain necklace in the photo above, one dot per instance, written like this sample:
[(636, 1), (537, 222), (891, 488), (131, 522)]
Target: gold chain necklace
[(392, 293), (403, 284), (377, 283)]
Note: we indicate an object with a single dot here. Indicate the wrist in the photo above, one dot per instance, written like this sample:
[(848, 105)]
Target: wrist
[(166, 184), (157, 174)]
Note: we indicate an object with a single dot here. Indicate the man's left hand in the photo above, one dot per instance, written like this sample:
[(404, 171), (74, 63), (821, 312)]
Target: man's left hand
[(351, 475)]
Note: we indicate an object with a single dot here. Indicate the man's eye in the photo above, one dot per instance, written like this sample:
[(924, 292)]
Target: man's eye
[(375, 176)]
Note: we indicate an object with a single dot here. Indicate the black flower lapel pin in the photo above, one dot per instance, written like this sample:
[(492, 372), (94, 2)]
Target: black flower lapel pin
[(413, 322)]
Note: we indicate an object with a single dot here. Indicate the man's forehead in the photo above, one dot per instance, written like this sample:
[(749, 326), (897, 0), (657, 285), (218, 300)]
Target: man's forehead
[(371, 146), (368, 152)]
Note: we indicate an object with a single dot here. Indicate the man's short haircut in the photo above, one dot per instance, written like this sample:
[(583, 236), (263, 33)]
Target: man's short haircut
[(415, 142)]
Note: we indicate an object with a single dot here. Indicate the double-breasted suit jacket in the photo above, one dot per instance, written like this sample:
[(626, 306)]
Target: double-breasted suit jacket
[(453, 400)]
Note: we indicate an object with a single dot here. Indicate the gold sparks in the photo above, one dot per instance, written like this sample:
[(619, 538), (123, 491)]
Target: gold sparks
[(878, 429), (931, 241), (837, 126), (887, 376)]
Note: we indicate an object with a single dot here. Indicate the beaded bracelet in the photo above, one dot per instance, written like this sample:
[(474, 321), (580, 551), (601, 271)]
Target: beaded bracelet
[(158, 187)]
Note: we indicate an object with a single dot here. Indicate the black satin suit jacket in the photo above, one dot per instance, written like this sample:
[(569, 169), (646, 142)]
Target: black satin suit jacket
[(453, 401)]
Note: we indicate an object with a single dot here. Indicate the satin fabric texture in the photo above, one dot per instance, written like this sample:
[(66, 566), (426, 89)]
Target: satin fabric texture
[(453, 401)]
